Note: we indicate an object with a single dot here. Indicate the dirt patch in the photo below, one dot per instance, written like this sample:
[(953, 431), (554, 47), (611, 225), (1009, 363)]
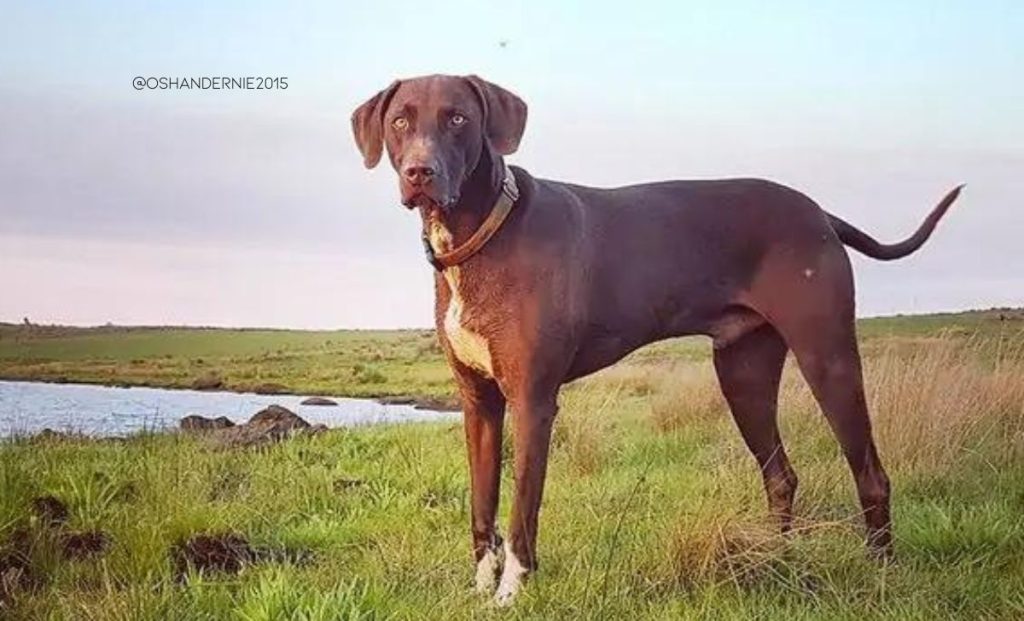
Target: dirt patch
[(15, 576), (80, 545), (50, 511), (226, 553), (16, 572)]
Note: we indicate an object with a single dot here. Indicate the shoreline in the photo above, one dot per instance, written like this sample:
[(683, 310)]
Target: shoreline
[(418, 402)]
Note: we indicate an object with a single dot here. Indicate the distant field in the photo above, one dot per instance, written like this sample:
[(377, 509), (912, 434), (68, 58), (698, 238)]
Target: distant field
[(343, 362), (653, 507)]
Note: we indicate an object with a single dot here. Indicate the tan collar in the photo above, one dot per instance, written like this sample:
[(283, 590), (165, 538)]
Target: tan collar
[(502, 207)]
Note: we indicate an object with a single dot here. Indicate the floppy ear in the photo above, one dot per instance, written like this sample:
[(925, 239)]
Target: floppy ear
[(504, 115), (368, 125)]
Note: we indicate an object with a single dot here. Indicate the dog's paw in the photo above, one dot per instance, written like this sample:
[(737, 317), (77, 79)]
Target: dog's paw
[(487, 569), (504, 597), (511, 579)]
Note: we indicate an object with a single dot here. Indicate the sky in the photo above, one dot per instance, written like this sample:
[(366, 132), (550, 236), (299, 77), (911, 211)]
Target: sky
[(252, 208)]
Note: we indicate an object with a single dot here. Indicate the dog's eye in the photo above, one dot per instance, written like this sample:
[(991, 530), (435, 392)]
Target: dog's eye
[(458, 119), (400, 123)]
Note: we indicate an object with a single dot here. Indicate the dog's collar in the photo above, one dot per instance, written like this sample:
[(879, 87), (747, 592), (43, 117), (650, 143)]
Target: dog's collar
[(502, 207)]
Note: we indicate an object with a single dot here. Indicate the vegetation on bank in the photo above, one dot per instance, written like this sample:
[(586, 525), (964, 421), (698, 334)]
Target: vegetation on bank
[(349, 363), (653, 509)]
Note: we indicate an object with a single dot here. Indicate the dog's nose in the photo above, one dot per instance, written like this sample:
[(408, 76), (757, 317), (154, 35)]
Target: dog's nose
[(418, 175)]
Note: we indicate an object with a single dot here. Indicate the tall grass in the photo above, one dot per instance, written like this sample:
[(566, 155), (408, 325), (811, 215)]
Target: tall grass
[(937, 406), (688, 394)]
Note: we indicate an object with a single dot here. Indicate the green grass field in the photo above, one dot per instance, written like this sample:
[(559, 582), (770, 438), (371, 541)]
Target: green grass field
[(350, 363), (653, 509), (340, 363)]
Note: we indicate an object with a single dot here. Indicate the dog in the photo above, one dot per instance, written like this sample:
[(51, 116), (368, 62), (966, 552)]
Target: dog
[(541, 282)]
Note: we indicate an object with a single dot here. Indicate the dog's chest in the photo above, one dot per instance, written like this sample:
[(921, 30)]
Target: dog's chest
[(469, 346)]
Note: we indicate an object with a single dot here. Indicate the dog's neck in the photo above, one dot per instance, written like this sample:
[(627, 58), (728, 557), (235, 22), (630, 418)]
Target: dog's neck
[(447, 229)]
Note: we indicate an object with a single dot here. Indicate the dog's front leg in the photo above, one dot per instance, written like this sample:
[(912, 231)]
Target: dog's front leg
[(484, 413), (532, 421)]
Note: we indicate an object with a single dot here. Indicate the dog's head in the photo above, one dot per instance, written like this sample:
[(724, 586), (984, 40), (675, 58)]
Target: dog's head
[(436, 129)]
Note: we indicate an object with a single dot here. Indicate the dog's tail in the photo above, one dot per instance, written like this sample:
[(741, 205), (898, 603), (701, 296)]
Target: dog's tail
[(865, 244)]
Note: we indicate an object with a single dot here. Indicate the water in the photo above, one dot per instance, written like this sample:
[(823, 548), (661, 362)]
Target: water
[(29, 407)]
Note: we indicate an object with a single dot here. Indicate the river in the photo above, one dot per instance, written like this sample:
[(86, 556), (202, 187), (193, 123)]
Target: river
[(29, 407)]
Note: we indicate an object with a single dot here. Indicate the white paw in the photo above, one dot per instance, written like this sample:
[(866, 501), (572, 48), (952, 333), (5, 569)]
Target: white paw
[(511, 579), (487, 571)]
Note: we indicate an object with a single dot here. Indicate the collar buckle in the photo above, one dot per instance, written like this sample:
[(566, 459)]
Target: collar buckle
[(508, 185), (432, 259)]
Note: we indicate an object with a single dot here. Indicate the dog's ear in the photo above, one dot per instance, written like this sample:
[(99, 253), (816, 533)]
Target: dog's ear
[(368, 125), (504, 115)]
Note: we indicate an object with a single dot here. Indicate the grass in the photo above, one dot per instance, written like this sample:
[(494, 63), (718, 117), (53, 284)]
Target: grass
[(653, 509), (341, 363), (347, 363)]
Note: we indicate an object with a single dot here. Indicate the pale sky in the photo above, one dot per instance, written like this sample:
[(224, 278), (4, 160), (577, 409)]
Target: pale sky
[(246, 208)]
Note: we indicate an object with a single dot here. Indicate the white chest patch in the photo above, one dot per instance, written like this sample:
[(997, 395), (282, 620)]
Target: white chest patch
[(469, 347)]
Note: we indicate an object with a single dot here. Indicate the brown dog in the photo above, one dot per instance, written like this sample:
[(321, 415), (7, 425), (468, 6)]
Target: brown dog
[(541, 282)]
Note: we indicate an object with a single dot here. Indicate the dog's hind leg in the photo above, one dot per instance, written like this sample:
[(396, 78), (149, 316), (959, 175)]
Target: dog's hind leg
[(748, 370), (829, 360), (815, 315)]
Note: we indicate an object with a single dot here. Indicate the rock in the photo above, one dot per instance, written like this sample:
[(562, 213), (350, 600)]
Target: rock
[(194, 422), (48, 434), (75, 546), (226, 553), (439, 404), (270, 424), (277, 418), (51, 512), (319, 401), (208, 381)]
